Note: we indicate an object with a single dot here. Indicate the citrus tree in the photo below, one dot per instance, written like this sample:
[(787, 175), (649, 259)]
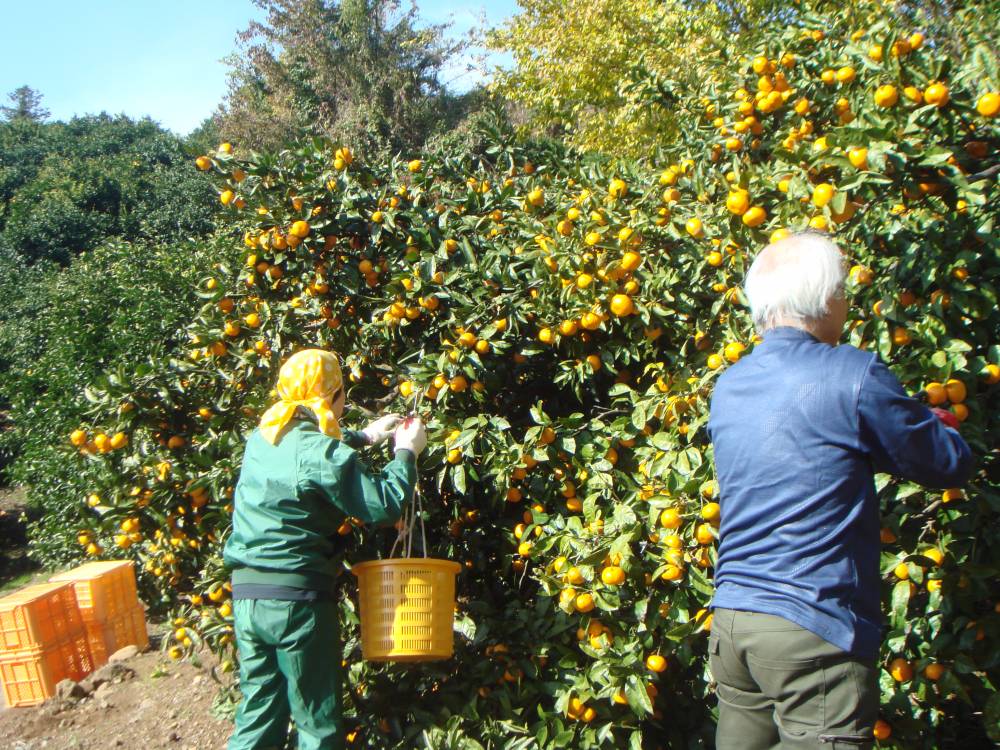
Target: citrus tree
[(560, 320)]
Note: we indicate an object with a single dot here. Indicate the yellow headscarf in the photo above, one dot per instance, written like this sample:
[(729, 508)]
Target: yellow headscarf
[(309, 379)]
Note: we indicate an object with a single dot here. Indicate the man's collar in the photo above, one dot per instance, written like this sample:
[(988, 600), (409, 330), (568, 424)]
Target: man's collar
[(788, 333)]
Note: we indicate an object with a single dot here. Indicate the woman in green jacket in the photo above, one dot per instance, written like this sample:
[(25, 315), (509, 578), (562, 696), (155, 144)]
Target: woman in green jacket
[(301, 479)]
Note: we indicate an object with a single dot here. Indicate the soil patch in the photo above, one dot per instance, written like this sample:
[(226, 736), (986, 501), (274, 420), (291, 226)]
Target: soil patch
[(165, 705)]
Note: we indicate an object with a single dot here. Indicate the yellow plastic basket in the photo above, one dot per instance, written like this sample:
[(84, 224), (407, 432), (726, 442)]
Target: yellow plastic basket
[(407, 608)]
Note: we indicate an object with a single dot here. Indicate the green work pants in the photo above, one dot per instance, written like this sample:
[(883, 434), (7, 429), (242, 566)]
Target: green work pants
[(781, 686), (289, 668)]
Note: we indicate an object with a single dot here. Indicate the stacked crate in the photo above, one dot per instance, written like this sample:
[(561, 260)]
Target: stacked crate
[(109, 606), (42, 642)]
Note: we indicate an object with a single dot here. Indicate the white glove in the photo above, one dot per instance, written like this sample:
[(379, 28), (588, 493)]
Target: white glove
[(381, 428), (411, 436)]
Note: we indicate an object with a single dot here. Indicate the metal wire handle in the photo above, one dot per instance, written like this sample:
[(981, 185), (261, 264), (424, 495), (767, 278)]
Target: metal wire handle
[(405, 535), (413, 508)]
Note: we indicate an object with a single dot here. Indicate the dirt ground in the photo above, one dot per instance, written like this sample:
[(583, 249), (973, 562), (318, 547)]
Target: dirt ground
[(165, 705)]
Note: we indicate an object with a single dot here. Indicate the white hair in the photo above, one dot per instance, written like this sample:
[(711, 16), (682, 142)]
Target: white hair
[(794, 280)]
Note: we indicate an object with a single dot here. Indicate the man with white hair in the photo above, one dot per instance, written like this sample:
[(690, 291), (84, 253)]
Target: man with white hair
[(799, 429)]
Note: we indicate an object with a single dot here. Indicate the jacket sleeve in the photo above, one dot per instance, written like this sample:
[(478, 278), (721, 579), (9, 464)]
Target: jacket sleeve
[(904, 438), (354, 439), (347, 482)]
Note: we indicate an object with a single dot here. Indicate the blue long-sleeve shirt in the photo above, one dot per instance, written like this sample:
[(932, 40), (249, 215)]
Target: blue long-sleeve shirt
[(799, 429)]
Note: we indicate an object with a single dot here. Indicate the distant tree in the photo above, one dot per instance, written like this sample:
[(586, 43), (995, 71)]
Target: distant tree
[(66, 187), (27, 105), (358, 71), (204, 138)]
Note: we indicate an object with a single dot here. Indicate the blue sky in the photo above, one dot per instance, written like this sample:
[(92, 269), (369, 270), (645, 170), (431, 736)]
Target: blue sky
[(162, 59)]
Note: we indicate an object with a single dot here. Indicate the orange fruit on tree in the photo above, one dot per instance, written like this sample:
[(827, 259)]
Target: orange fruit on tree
[(715, 361), (901, 336), (823, 194), (590, 321), (703, 534), (937, 94), (901, 670), (734, 350), (738, 202), (118, 440), (454, 456), (754, 216), (886, 95), (951, 495), (656, 663), (988, 104), (694, 227), (858, 156), (300, 229), (458, 383), (901, 571), (882, 730), (934, 671), (203, 163), (670, 518), (933, 553), (914, 94), (955, 390), (711, 512), (568, 327), (937, 394), (78, 438), (622, 305), (991, 374), (584, 603), (631, 261), (546, 336), (613, 575), (846, 74)]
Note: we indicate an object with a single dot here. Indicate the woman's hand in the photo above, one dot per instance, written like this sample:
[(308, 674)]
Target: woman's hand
[(381, 428), (411, 435)]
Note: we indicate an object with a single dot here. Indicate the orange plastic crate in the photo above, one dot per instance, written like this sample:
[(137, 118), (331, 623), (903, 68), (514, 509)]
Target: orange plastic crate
[(100, 638), (139, 635), (104, 590), (38, 616), (128, 629), (30, 676)]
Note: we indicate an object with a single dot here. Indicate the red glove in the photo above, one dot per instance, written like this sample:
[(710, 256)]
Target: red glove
[(949, 419)]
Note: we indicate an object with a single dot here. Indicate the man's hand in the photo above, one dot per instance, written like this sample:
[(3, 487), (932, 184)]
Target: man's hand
[(411, 435), (381, 428), (949, 419)]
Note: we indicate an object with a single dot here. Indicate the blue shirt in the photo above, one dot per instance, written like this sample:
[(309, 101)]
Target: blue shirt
[(799, 429)]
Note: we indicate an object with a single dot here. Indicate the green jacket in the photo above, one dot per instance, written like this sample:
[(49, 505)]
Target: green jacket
[(292, 497)]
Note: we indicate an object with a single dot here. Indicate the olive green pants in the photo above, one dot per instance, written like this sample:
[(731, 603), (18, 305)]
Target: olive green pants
[(781, 686), (289, 668)]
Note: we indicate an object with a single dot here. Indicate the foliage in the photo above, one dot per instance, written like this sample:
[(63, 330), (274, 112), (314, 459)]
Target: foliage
[(62, 328), (66, 187), (27, 105), (560, 321), (618, 95), (359, 71)]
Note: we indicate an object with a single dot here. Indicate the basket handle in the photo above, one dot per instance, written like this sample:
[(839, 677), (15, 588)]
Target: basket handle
[(405, 535)]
